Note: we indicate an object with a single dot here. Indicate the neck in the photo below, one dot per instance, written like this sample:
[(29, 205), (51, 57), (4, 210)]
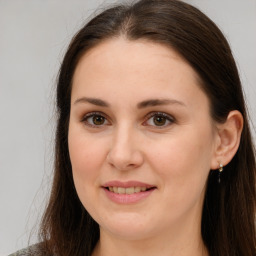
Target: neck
[(148, 248)]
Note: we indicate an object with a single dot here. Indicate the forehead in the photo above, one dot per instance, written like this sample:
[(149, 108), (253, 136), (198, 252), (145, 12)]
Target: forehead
[(134, 69), (138, 55)]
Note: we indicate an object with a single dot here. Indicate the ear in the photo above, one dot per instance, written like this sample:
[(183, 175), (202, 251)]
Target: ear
[(227, 139)]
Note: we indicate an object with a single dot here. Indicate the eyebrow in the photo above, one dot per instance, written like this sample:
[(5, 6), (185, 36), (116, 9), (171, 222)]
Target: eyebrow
[(143, 104), (158, 102), (94, 101)]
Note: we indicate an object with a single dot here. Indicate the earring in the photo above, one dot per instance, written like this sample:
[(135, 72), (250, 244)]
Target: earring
[(220, 170)]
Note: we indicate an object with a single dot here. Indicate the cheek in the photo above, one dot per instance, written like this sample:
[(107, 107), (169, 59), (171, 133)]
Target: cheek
[(179, 153), (86, 155), (183, 163)]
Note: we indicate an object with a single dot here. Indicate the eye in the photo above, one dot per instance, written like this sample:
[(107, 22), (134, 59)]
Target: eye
[(159, 119), (95, 119)]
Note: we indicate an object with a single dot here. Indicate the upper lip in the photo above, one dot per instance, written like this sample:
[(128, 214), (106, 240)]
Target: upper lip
[(127, 184)]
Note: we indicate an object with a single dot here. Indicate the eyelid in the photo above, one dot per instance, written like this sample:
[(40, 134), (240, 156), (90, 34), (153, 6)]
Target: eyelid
[(170, 118), (94, 113)]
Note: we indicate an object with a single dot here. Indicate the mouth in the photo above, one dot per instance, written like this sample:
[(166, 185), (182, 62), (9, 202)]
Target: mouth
[(128, 190)]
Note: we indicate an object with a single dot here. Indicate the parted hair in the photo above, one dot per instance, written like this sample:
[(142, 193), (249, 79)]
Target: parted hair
[(228, 217)]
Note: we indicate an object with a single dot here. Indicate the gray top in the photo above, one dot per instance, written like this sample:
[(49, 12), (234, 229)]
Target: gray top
[(33, 250)]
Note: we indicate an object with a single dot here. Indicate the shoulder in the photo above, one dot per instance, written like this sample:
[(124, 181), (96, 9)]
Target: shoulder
[(33, 250)]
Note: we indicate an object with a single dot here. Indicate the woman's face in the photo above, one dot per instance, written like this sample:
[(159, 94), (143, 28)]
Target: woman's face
[(139, 121)]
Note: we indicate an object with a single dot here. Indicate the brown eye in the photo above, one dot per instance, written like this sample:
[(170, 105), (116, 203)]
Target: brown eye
[(95, 120), (159, 120), (98, 120)]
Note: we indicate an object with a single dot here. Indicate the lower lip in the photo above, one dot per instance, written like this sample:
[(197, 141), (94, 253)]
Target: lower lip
[(126, 198)]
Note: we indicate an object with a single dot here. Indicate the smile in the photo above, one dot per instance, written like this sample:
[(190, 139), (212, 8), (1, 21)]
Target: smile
[(128, 191)]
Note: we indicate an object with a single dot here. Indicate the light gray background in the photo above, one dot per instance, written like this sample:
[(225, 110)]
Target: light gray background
[(33, 37)]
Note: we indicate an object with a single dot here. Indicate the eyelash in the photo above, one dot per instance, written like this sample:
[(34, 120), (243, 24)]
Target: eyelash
[(167, 117), (93, 114)]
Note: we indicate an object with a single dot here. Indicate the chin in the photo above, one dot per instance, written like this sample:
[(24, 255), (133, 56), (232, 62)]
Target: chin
[(128, 227)]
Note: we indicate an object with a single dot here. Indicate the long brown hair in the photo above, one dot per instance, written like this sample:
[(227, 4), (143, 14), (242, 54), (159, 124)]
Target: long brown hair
[(228, 220)]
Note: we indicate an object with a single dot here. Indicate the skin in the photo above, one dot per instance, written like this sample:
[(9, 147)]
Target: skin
[(175, 157)]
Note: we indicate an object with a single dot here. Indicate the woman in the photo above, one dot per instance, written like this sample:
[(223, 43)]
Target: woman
[(153, 149)]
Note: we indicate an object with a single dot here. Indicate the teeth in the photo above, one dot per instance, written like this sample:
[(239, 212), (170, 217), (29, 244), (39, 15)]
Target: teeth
[(129, 191), (137, 189), (120, 190)]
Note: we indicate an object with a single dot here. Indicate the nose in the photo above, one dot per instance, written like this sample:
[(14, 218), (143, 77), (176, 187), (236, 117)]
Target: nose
[(125, 153)]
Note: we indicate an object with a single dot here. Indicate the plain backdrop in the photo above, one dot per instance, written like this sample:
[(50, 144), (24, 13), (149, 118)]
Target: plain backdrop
[(34, 35)]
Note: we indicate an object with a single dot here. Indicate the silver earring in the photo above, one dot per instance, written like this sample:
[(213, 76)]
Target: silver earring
[(220, 170)]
